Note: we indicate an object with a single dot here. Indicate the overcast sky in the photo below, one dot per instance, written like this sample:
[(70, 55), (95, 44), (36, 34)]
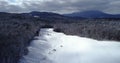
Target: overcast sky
[(60, 6)]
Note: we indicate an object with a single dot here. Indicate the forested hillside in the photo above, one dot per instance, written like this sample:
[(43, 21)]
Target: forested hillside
[(17, 30)]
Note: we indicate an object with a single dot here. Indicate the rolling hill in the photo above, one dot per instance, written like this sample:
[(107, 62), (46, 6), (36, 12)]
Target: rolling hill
[(92, 14)]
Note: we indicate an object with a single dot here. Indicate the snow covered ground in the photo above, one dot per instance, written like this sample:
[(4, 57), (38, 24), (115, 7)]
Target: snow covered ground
[(53, 47)]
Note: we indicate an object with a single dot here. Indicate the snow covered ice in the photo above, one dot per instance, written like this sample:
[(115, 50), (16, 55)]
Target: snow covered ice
[(53, 47)]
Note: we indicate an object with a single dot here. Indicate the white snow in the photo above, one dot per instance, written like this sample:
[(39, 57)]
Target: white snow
[(36, 16), (53, 47)]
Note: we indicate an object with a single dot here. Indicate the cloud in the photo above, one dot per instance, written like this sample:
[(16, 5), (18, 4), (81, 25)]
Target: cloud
[(59, 6)]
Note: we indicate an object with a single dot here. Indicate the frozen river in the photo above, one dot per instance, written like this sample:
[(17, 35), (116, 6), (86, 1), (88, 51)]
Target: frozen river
[(54, 47)]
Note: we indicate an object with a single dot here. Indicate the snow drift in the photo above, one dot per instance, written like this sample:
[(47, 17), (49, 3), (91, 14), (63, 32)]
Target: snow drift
[(53, 47)]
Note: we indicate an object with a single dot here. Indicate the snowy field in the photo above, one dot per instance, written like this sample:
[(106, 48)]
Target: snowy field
[(53, 47)]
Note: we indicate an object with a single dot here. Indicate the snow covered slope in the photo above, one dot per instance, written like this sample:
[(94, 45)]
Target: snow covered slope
[(53, 47)]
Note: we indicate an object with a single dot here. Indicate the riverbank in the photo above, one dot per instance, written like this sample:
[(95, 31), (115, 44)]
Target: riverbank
[(16, 34)]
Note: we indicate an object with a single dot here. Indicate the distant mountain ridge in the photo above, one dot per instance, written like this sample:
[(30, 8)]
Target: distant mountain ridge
[(92, 14), (36, 16), (49, 16)]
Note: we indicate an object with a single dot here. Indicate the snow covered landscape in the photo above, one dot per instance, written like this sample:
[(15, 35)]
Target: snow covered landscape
[(59, 31), (54, 47)]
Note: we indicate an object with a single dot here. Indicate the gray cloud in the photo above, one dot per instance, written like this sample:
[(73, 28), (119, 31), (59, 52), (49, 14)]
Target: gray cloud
[(60, 6)]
